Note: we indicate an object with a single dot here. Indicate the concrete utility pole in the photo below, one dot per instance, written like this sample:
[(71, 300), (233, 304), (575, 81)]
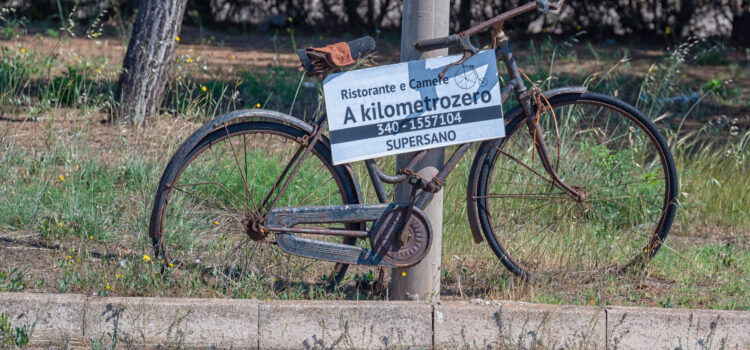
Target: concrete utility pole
[(422, 19)]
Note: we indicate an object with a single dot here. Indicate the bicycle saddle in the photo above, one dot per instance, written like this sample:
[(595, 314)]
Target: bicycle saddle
[(322, 60)]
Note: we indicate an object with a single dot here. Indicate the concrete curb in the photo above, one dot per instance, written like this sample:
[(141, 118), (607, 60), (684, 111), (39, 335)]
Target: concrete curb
[(225, 323)]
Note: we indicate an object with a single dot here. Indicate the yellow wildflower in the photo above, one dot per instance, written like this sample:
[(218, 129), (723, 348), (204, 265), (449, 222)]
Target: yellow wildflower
[(171, 265), (118, 276), (69, 257), (216, 222), (234, 57), (61, 178), (146, 257), (108, 287), (257, 105), (403, 273), (23, 50), (91, 237), (190, 60), (204, 88), (668, 30), (177, 38), (59, 224)]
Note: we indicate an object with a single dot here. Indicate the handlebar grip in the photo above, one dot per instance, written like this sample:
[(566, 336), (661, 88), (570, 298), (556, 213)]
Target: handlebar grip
[(437, 43), (362, 46)]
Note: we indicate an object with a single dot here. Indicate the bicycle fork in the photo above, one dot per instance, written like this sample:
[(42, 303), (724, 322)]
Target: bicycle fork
[(524, 97), (537, 134)]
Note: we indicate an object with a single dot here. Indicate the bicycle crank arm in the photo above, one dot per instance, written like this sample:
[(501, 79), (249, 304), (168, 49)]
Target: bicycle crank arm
[(329, 251)]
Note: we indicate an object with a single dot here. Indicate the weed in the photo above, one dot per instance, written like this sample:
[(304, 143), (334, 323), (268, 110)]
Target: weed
[(18, 337), (12, 281), (12, 27)]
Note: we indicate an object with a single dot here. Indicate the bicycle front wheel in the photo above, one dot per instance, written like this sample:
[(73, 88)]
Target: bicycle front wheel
[(211, 201), (600, 146)]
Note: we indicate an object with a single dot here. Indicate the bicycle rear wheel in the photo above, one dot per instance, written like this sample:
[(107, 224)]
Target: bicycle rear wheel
[(207, 201), (598, 145)]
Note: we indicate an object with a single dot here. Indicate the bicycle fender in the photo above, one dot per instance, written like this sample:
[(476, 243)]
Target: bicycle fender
[(237, 116), (517, 111), (564, 91)]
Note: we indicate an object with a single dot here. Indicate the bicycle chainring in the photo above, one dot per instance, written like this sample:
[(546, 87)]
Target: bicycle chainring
[(401, 248)]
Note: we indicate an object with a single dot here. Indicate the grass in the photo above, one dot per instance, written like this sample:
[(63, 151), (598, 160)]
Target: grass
[(14, 337), (78, 193)]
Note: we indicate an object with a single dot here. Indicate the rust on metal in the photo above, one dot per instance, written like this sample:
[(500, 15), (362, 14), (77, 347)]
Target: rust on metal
[(401, 244), (316, 136), (319, 231)]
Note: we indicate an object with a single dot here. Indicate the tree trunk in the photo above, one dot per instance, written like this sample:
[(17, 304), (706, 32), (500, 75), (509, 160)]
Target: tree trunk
[(740, 25), (143, 78), (354, 19), (464, 15), (684, 16)]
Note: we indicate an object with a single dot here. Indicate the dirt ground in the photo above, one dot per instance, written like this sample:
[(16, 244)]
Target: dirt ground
[(232, 53)]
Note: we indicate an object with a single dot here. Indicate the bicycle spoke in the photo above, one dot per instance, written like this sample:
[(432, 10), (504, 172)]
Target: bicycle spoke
[(526, 195), (215, 184), (555, 236), (208, 221), (281, 177)]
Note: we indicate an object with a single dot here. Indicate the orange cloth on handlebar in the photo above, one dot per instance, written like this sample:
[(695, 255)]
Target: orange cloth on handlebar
[(338, 53)]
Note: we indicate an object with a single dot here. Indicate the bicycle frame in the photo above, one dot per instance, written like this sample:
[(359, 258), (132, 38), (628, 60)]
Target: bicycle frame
[(353, 213), (283, 221)]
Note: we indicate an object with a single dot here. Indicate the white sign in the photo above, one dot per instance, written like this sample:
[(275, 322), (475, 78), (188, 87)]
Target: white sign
[(405, 107)]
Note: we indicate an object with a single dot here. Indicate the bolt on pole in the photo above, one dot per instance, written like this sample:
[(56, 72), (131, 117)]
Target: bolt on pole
[(422, 19)]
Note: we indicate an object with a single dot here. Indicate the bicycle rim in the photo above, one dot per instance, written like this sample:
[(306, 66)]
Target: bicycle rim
[(601, 146), (222, 186)]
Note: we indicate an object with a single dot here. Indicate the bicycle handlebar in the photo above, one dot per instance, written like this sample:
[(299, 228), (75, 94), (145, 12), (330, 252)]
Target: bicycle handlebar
[(437, 43), (454, 39), (362, 46)]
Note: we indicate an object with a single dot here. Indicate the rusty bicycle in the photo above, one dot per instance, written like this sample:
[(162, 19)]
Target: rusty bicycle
[(582, 185)]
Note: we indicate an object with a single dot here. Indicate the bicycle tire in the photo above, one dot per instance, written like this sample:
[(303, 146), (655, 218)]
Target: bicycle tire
[(345, 185), (505, 230)]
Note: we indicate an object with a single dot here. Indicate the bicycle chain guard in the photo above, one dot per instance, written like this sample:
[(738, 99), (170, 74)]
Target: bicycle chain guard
[(401, 248)]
